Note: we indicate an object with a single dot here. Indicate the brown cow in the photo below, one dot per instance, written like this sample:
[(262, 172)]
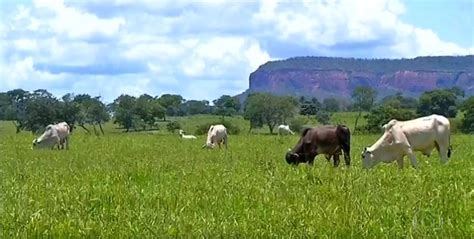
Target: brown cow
[(328, 140)]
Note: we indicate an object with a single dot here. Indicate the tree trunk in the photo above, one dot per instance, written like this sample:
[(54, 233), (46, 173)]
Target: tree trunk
[(95, 130), (17, 127), (270, 126), (100, 127), (357, 120), (84, 127)]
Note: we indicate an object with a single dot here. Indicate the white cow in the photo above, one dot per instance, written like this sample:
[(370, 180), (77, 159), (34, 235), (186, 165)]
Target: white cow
[(405, 137), (217, 134), (284, 130), (54, 135), (184, 136)]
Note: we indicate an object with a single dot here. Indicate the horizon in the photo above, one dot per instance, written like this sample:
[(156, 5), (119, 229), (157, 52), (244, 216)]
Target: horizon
[(177, 47)]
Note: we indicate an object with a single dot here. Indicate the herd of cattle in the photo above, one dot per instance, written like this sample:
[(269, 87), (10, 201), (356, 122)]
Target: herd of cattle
[(400, 138)]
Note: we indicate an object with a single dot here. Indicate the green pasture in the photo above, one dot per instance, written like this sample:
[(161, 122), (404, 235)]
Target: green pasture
[(155, 185)]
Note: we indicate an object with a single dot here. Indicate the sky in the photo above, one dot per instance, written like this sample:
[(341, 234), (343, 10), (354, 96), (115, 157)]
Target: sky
[(207, 48)]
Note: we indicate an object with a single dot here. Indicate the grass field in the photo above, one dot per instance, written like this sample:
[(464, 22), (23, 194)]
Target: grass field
[(156, 185)]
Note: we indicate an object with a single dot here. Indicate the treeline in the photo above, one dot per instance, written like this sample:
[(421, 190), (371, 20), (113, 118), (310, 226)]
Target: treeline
[(32, 111), (428, 63)]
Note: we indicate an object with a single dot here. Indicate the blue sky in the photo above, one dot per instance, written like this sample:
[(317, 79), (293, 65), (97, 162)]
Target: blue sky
[(204, 49)]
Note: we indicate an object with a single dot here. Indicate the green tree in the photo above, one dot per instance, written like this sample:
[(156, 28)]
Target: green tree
[(384, 113), (331, 105), (18, 100), (467, 123), (398, 100), (194, 107), (309, 107), (171, 103), (124, 115), (226, 105), (441, 102), (41, 110), (364, 98), (265, 108)]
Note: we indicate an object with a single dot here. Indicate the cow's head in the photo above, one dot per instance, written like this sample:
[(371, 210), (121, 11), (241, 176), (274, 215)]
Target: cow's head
[(367, 158), (208, 146), (292, 158), (39, 142)]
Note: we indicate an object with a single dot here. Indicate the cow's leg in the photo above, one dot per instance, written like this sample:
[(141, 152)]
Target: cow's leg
[(346, 148), (310, 158), (67, 142), (443, 152), (412, 157), (336, 159), (400, 162)]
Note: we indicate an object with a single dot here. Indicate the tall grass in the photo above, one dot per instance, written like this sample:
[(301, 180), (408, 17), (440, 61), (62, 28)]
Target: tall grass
[(148, 185)]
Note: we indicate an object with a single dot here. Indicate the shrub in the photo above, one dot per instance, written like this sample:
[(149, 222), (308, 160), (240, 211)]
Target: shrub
[(231, 128), (323, 117), (381, 115), (173, 126), (298, 123)]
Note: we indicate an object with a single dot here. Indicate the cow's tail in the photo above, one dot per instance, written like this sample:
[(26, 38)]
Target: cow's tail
[(449, 147), (345, 133)]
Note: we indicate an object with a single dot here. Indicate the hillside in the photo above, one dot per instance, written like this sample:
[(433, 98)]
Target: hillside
[(324, 77)]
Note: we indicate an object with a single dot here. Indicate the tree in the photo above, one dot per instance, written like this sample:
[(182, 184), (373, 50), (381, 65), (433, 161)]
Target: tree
[(467, 123), (323, 117), (331, 105), (398, 100), (171, 103), (265, 108), (384, 113), (441, 102), (124, 115), (226, 106), (41, 110), (18, 100), (194, 107), (364, 98), (309, 107)]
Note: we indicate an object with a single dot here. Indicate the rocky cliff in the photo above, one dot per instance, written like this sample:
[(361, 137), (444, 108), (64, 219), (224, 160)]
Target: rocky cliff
[(324, 77)]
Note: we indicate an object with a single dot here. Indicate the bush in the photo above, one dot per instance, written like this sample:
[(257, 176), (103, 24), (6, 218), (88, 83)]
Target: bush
[(381, 115), (231, 128), (323, 117), (173, 126), (298, 123)]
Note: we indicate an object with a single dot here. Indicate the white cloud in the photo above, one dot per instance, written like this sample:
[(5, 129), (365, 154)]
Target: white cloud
[(197, 49), (77, 24)]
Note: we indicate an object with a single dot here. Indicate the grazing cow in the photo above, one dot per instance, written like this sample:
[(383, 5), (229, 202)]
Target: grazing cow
[(284, 130), (54, 135), (405, 137), (217, 134), (184, 136), (327, 140)]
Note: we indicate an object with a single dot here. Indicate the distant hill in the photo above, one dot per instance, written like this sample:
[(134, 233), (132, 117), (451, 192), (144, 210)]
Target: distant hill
[(324, 77)]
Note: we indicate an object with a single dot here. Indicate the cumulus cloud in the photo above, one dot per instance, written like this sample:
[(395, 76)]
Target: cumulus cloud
[(198, 49)]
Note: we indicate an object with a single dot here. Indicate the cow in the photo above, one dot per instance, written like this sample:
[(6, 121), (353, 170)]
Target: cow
[(328, 140), (284, 130), (184, 136), (217, 134), (54, 135), (402, 138)]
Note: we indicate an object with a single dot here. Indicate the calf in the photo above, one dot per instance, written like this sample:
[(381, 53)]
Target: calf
[(284, 130), (327, 140)]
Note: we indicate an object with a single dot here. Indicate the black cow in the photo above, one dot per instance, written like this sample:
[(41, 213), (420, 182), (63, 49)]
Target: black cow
[(328, 140)]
